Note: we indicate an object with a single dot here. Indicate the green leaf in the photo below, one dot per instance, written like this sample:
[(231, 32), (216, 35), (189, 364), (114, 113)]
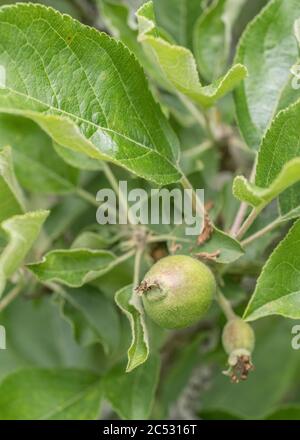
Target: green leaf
[(213, 35), (101, 104), (229, 249), (130, 304), (268, 49), (178, 18), (285, 412), (259, 197), (32, 150), (277, 290), (92, 316), (21, 231), (37, 336), (132, 394), (76, 159), (278, 165), (178, 63), (73, 267), (11, 197), (91, 240), (59, 394), (63, 215)]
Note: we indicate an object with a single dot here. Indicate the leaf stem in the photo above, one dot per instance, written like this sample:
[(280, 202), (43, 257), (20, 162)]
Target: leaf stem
[(137, 266), (243, 206), (193, 110), (115, 186), (261, 232), (248, 222), (160, 238), (85, 195), (238, 219), (225, 305), (10, 296), (197, 204), (197, 150)]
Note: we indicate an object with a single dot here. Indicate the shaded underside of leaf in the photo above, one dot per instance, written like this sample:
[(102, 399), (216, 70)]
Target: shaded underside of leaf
[(138, 351), (180, 23), (212, 36), (92, 316)]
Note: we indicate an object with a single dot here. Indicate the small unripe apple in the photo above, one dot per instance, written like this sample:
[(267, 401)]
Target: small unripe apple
[(238, 335), (177, 291), (238, 341)]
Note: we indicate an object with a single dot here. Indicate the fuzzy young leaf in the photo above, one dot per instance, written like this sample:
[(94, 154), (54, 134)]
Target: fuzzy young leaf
[(212, 36), (259, 197), (268, 49), (11, 198), (278, 165), (74, 267), (178, 63), (131, 394), (277, 291), (59, 394), (21, 231), (100, 105), (138, 351)]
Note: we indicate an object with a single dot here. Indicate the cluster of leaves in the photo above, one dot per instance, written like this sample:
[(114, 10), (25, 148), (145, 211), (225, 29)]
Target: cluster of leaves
[(148, 101)]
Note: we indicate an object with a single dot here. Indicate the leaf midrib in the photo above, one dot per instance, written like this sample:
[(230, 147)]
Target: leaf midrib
[(154, 150), (69, 402)]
